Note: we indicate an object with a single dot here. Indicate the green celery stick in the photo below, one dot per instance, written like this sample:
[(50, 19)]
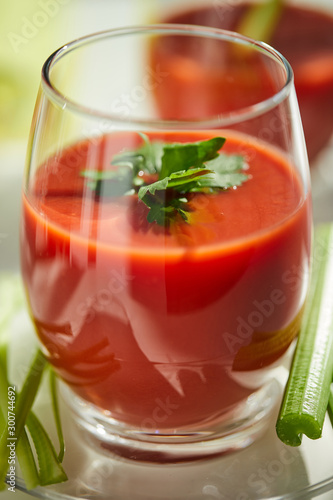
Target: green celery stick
[(26, 460), (23, 452), (260, 20), (24, 403), (29, 390), (11, 301), (50, 470), (56, 413), (330, 405), (307, 392)]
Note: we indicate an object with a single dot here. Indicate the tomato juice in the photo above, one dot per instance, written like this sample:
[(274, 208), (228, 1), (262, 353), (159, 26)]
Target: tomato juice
[(303, 35), (160, 327)]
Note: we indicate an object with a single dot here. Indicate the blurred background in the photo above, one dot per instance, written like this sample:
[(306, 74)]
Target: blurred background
[(32, 29)]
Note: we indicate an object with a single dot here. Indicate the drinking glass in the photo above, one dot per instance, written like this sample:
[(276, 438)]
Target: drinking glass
[(304, 35), (167, 313)]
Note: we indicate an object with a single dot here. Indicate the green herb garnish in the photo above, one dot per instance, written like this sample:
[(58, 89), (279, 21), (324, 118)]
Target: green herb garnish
[(164, 175), (37, 458), (307, 394)]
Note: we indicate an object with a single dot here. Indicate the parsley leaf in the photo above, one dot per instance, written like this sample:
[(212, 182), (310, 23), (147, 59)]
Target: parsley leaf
[(147, 158), (226, 173), (121, 181), (188, 155), (163, 207), (180, 169), (164, 213), (175, 180)]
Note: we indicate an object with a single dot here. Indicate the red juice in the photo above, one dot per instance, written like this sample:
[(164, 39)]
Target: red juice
[(303, 35), (164, 327)]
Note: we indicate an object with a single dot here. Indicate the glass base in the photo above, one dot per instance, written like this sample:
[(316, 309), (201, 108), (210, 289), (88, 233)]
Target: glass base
[(238, 429)]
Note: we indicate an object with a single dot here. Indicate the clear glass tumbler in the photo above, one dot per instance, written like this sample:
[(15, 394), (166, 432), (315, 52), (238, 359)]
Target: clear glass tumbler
[(166, 246)]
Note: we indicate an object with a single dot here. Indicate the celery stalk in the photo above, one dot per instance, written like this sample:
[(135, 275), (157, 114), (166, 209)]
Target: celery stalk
[(330, 405), (260, 20), (56, 413), (50, 470), (307, 392), (26, 460), (23, 405), (29, 390)]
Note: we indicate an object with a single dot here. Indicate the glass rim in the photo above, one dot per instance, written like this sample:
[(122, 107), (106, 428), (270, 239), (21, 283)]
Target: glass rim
[(220, 120)]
